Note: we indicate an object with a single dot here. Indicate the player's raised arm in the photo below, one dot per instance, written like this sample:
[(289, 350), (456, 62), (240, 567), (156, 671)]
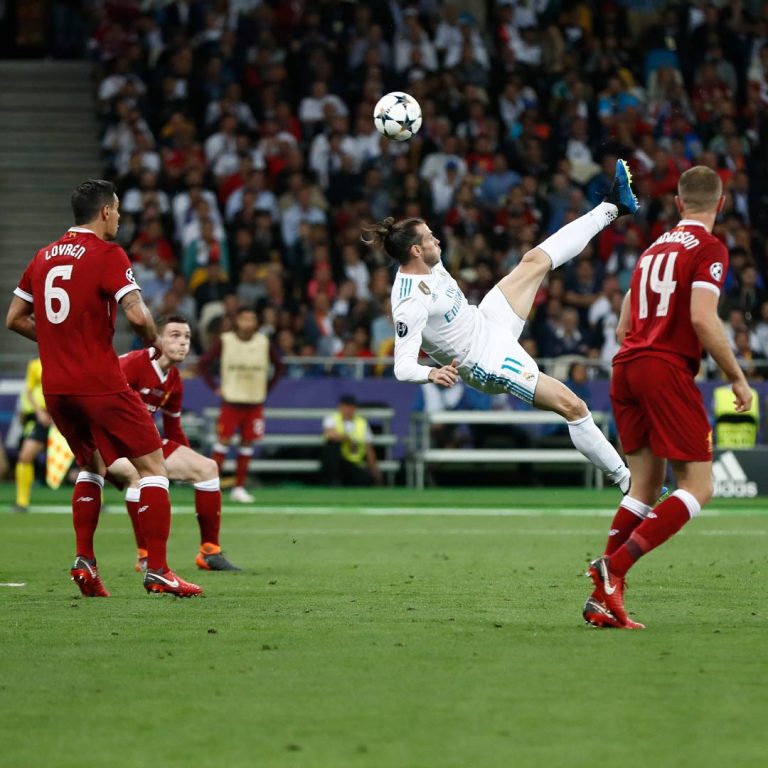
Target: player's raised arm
[(709, 329), (20, 319), (139, 317)]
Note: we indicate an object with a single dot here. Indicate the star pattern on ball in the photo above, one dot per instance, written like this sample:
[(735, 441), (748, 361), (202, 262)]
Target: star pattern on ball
[(401, 99)]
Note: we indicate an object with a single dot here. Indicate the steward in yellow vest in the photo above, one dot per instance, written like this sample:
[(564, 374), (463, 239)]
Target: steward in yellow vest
[(36, 422), (348, 455), (732, 429)]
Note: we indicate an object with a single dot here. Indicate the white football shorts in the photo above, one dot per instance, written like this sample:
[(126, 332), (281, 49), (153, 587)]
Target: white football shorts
[(496, 363)]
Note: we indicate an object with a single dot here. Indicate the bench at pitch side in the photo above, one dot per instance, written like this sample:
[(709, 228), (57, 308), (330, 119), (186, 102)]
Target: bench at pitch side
[(424, 455), (275, 438)]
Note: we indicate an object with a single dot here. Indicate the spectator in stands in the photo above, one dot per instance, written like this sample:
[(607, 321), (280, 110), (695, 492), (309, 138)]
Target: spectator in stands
[(152, 273), (203, 252), (748, 295), (752, 360), (349, 457), (223, 106), (302, 210), (137, 198), (582, 287), (761, 329), (316, 108)]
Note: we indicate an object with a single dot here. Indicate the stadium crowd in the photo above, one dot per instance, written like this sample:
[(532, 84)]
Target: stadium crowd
[(240, 135)]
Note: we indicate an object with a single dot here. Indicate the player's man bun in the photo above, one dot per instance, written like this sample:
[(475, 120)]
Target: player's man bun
[(377, 234), (394, 238)]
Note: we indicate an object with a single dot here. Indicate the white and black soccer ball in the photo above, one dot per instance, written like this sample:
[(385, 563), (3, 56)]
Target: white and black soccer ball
[(397, 116)]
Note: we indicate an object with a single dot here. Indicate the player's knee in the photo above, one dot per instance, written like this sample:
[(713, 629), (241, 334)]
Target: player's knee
[(574, 407), (209, 470), (706, 492)]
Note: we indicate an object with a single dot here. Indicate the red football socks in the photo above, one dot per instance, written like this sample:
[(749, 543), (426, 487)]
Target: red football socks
[(628, 516), (218, 456), (86, 506), (243, 460), (155, 513), (208, 510), (132, 505), (662, 523)]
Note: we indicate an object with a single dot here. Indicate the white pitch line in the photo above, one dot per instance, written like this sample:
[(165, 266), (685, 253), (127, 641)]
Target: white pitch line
[(385, 511), (12, 584), (289, 530)]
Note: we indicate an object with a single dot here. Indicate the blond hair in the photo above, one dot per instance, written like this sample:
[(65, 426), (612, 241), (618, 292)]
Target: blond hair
[(700, 190)]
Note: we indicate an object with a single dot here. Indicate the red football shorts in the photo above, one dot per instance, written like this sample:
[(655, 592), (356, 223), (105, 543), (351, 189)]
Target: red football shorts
[(657, 404), (169, 446), (246, 419), (114, 425)]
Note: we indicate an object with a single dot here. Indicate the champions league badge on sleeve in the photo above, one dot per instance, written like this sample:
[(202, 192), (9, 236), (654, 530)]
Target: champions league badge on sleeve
[(401, 329)]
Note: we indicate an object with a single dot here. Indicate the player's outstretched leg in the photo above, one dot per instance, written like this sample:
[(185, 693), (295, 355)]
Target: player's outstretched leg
[(588, 439), (569, 241), (621, 194), (521, 285)]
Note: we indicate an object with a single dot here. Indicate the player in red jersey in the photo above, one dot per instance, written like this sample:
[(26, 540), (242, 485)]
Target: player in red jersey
[(66, 301), (669, 316), (160, 387), (243, 357)]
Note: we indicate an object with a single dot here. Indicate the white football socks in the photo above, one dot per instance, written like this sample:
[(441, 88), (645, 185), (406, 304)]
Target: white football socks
[(689, 500), (592, 443), (572, 239), (636, 507)]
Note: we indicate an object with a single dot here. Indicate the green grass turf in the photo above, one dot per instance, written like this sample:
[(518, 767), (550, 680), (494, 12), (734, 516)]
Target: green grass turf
[(362, 639)]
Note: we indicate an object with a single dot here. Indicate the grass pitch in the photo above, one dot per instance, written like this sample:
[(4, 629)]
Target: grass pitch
[(385, 628)]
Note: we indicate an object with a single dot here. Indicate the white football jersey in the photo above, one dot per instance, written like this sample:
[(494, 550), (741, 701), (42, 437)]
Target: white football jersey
[(430, 312)]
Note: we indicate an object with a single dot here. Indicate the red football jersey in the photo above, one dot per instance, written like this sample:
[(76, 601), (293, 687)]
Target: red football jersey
[(160, 391), (74, 285), (684, 258)]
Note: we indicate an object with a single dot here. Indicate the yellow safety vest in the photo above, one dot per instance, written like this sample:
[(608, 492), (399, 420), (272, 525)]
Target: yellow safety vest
[(33, 384), (353, 449), (735, 430), (244, 368)]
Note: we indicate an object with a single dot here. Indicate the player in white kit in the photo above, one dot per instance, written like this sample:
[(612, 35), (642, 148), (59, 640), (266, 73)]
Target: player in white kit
[(479, 344)]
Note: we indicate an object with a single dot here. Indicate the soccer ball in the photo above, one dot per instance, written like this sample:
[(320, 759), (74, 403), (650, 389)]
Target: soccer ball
[(397, 115)]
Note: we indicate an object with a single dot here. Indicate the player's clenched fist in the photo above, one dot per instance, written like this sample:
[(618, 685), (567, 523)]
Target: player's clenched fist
[(446, 376)]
